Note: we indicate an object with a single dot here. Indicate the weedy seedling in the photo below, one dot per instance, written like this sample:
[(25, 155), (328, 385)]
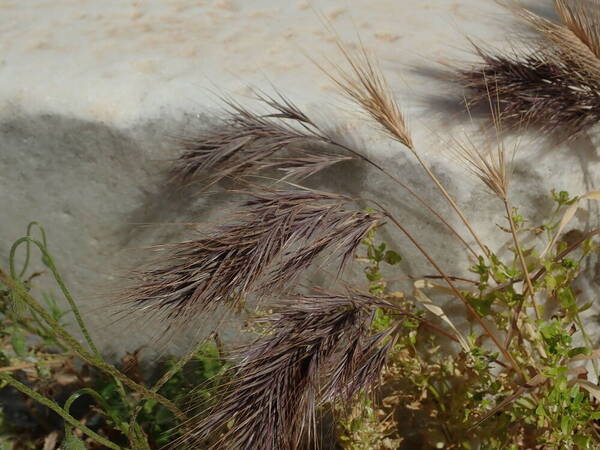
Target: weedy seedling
[(70, 395)]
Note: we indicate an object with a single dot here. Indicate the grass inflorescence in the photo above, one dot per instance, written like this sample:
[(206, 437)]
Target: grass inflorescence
[(384, 361)]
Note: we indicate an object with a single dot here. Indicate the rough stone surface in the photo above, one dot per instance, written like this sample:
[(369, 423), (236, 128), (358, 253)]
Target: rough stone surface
[(92, 93)]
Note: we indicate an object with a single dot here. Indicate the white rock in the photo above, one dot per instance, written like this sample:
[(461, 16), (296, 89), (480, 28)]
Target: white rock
[(92, 91)]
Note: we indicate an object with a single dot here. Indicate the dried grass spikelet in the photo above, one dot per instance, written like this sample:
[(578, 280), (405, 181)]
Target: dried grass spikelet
[(276, 236), (582, 17), (248, 143), (574, 40), (366, 85), (317, 348), (556, 85), (490, 164)]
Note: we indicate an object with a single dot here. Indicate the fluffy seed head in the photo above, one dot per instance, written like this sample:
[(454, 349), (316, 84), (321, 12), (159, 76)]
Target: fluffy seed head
[(536, 88), (246, 143), (555, 86), (276, 236), (365, 84), (316, 349), (489, 163)]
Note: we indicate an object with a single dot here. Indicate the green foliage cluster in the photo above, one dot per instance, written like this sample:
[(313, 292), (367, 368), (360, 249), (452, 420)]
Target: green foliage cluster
[(436, 393), (70, 396)]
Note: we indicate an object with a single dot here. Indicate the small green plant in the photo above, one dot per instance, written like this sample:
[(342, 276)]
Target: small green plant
[(466, 399), (70, 393)]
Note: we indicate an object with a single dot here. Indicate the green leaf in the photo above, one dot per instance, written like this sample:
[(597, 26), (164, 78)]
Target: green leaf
[(578, 351), (567, 299), (43, 370), (518, 219), (56, 312), (381, 321), (4, 359), (563, 198), (374, 276), (482, 305), (18, 343), (588, 246), (392, 258), (163, 416), (550, 282), (582, 441), (376, 289), (149, 405), (379, 252), (565, 424), (73, 443)]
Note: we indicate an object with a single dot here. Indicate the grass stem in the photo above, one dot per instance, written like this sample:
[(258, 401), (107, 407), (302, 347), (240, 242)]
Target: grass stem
[(57, 409), (71, 342), (519, 250), (489, 331)]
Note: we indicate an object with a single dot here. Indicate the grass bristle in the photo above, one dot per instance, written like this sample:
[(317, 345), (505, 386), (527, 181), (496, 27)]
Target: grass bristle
[(555, 85), (366, 85), (247, 143), (276, 236), (316, 349), (539, 89)]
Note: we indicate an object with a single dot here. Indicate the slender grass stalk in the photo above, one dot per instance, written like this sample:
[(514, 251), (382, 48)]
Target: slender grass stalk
[(490, 332), (541, 273), (530, 289), (58, 410), (575, 245), (45, 331), (434, 327), (412, 193), (28, 246), (368, 88), (167, 376), (50, 263), (451, 201), (587, 339), (101, 402), (178, 366), (72, 343)]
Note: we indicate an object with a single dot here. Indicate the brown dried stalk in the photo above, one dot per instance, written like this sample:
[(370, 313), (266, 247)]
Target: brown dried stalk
[(556, 85), (316, 349), (274, 239), (489, 330)]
